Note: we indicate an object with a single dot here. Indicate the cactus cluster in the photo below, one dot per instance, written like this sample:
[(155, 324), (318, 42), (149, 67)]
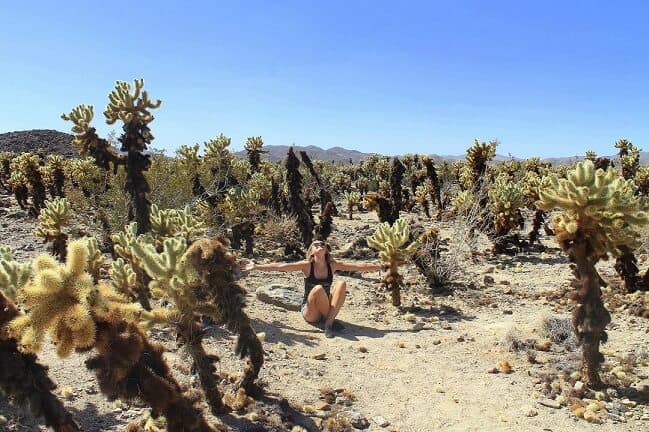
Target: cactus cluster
[(13, 274), (53, 218)]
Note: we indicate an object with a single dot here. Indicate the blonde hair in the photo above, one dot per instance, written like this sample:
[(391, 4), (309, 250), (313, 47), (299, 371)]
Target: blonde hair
[(309, 252)]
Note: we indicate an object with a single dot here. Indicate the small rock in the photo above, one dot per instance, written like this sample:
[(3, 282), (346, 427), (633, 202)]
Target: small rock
[(488, 280), (284, 296), (437, 342), (380, 421), (550, 403), (629, 403), (362, 349), (418, 326), (460, 338), (490, 270), (321, 356), (507, 312), (505, 282), (446, 326), (3, 420), (358, 420)]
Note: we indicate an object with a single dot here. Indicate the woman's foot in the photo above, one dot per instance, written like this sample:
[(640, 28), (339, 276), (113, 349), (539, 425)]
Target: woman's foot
[(329, 331)]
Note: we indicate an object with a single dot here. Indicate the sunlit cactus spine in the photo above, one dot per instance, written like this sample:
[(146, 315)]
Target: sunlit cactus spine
[(390, 241), (23, 380), (63, 301), (53, 218), (122, 242), (13, 274), (599, 212)]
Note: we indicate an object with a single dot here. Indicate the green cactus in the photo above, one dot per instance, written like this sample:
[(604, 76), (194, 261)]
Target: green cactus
[(390, 242), (505, 199), (26, 178), (352, 199), (13, 275), (54, 174), (51, 221), (599, 213), (95, 258)]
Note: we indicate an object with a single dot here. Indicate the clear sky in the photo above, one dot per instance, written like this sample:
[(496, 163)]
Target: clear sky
[(546, 78)]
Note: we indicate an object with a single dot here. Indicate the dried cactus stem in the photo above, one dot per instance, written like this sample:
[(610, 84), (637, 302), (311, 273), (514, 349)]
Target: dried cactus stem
[(626, 267), (392, 281), (192, 335), (137, 186), (26, 380), (129, 366), (243, 232), (590, 317), (537, 223)]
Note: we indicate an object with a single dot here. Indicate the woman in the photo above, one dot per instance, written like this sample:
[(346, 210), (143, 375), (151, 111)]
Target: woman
[(322, 297)]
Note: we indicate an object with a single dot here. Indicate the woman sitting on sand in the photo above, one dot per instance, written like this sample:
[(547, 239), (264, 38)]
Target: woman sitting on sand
[(322, 298)]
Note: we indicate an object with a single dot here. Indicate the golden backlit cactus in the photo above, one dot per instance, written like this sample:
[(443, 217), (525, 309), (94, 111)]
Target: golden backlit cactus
[(127, 104), (62, 300), (422, 194), (253, 147), (598, 203), (54, 174), (86, 175), (26, 178), (13, 274), (56, 214), (599, 214), (390, 242)]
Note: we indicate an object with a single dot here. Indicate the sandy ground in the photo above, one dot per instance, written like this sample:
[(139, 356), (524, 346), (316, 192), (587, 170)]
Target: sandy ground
[(424, 367)]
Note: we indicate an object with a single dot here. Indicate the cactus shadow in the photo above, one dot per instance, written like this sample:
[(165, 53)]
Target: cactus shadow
[(89, 418), (272, 405), (442, 311), (277, 331)]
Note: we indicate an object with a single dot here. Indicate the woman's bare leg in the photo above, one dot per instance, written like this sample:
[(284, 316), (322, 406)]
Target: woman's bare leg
[(338, 294), (317, 305)]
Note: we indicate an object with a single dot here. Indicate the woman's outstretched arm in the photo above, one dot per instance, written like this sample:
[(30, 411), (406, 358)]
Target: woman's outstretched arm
[(357, 266), (282, 267)]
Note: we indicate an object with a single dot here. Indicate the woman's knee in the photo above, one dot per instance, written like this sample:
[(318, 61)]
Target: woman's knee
[(340, 287), (317, 291)]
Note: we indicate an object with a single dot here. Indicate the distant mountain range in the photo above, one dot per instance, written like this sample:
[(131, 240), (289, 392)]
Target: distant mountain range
[(46, 141)]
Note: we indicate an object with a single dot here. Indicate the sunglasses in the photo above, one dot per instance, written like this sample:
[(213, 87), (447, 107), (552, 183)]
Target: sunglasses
[(319, 244)]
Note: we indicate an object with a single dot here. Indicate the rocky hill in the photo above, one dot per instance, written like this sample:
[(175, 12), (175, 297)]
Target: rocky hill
[(43, 141)]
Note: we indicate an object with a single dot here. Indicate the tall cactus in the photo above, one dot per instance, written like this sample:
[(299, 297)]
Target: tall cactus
[(132, 107), (599, 214)]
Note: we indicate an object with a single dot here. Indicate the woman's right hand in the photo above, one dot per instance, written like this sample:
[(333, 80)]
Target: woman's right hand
[(246, 266)]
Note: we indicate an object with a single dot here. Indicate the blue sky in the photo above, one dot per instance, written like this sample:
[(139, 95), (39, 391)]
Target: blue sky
[(544, 78)]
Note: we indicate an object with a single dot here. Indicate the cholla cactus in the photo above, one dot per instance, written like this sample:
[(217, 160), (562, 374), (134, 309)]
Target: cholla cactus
[(629, 158), (167, 223), (253, 147), (13, 275), (376, 201), (54, 175), (132, 107), (599, 214), (198, 280), (26, 177), (390, 242), (51, 221), (24, 380), (505, 199), (63, 301), (296, 205), (422, 193), (95, 258), (352, 199), (5, 169), (477, 157), (217, 156), (191, 163), (122, 245), (642, 180), (86, 175)]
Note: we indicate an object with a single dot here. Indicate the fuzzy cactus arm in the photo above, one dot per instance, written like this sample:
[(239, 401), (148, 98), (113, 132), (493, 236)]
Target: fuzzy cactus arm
[(13, 275)]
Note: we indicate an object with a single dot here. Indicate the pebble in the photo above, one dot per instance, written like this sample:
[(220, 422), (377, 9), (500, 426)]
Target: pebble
[(488, 280), (321, 356), (418, 326), (550, 403), (380, 421)]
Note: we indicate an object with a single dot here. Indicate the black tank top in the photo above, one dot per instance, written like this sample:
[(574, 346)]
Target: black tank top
[(311, 281)]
